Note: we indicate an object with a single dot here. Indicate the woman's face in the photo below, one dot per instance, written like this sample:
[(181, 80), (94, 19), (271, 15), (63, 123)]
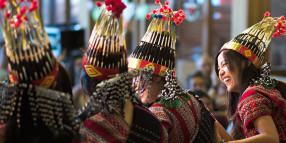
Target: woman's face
[(229, 77)]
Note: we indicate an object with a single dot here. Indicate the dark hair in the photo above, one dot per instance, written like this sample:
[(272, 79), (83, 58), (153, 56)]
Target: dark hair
[(63, 81), (193, 75), (88, 83), (202, 94), (246, 75)]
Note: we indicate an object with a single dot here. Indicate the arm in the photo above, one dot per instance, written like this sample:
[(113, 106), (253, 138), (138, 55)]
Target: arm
[(267, 131), (220, 133)]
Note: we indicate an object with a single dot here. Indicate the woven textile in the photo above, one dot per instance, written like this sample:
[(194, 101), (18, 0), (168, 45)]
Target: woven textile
[(258, 101), (181, 122), (103, 128)]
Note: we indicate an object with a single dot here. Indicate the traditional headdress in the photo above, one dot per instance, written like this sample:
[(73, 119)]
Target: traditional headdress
[(106, 60), (49, 106), (157, 47), (106, 53), (253, 42), (30, 58)]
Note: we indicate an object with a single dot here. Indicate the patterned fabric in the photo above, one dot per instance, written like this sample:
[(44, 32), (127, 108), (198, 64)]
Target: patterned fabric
[(181, 122), (258, 101), (105, 128)]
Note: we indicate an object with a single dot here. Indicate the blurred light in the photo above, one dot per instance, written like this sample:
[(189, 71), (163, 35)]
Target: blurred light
[(141, 11), (217, 15), (216, 2), (129, 11), (95, 12), (200, 2)]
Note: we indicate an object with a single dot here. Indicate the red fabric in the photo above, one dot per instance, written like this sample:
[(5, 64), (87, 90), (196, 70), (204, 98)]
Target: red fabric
[(256, 102), (43, 82), (97, 72), (148, 64)]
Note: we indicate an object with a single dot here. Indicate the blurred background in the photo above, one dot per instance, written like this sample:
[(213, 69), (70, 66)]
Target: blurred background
[(209, 24)]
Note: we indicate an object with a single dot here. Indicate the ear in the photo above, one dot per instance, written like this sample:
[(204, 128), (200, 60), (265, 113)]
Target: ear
[(157, 78), (248, 63)]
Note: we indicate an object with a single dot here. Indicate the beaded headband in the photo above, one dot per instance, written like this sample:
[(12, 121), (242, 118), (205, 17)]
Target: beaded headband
[(157, 47)]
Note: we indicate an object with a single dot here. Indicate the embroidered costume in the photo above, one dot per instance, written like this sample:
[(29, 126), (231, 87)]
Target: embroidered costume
[(258, 101), (106, 61), (181, 114), (261, 98)]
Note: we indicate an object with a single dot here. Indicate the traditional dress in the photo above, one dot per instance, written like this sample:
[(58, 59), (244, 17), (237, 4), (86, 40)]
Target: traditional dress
[(109, 124), (105, 128), (261, 98), (30, 109), (181, 114), (258, 101), (106, 61), (186, 119)]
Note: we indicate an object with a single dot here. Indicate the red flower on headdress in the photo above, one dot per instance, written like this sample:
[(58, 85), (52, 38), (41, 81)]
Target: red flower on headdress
[(157, 1), (167, 3), (98, 4), (148, 16), (280, 27), (7, 15), (116, 6), (2, 5), (267, 13), (34, 5), (23, 10)]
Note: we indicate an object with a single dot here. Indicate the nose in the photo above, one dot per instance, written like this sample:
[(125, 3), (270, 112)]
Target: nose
[(221, 72)]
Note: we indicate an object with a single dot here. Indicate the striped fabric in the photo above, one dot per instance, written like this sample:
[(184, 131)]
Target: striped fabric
[(103, 127), (181, 122)]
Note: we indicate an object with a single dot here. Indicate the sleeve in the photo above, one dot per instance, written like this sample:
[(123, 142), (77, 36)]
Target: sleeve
[(252, 106), (162, 115)]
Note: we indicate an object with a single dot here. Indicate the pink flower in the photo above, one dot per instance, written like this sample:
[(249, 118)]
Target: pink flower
[(282, 17), (167, 3), (157, 1)]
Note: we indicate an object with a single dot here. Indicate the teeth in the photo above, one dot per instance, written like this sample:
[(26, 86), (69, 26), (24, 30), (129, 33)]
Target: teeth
[(225, 79)]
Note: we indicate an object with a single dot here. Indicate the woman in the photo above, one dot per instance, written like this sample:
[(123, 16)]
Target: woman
[(184, 117), (113, 112), (35, 104), (255, 103)]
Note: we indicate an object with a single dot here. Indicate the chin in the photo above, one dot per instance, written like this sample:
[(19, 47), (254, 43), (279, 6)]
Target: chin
[(230, 89)]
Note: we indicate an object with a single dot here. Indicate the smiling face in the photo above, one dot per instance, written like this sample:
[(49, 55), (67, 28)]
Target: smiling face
[(229, 76)]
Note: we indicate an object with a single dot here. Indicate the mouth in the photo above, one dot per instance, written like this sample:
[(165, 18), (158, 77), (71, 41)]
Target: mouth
[(226, 80)]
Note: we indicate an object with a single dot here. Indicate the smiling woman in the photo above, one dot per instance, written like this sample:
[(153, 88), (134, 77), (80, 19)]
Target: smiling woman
[(255, 103)]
